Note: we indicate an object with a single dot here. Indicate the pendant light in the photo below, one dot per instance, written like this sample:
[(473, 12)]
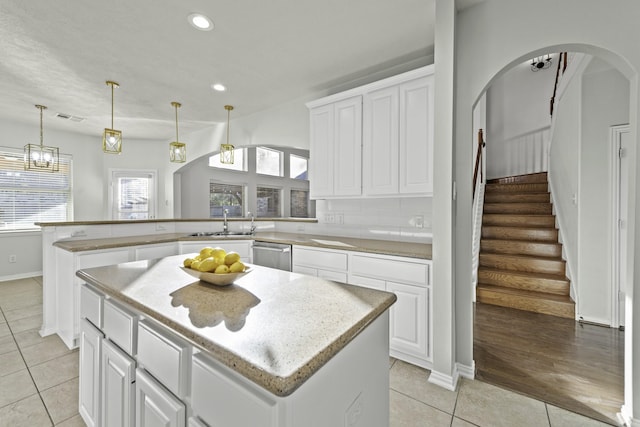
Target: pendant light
[(226, 150), (112, 139), (41, 157), (177, 149)]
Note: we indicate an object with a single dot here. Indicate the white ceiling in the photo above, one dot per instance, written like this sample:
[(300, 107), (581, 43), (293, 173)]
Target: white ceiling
[(60, 53)]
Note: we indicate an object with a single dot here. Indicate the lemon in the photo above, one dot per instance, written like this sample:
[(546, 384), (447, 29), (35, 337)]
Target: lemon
[(195, 264), (218, 253), (208, 264), (222, 269), (236, 267), (206, 252), (187, 262), (231, 258)]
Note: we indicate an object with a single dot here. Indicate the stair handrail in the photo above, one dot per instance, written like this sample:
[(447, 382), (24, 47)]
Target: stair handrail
[(562, 59), (481, 145)]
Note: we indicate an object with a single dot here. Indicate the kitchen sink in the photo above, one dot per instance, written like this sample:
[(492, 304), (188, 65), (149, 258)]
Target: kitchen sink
[(221, 233)]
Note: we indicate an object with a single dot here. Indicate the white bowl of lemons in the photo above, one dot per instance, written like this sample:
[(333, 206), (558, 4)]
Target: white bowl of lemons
[(215, 266)]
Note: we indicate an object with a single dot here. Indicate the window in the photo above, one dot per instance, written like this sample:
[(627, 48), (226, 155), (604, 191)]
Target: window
[(299, 203), (268, 202), (133, 196), (239, 161), (297, 167), (268, 161), (225, 196), (27, 197)]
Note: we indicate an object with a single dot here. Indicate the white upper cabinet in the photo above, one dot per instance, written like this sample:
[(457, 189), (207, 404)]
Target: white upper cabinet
[(416, 136), (375, 140), (336, 140)]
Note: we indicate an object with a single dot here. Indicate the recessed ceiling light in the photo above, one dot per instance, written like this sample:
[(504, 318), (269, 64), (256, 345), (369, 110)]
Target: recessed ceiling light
[(219, 87), (200, 22)]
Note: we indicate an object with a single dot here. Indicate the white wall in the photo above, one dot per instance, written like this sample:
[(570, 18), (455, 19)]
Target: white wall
[(605, 102), (518, 120)]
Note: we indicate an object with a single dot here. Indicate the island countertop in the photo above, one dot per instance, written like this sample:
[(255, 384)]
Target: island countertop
[(274, 327)]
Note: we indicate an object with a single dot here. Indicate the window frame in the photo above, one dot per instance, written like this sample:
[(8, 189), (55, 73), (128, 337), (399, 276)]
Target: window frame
[(66, 161)]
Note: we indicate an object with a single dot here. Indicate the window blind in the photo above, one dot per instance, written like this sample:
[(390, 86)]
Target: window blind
[(27, 197)]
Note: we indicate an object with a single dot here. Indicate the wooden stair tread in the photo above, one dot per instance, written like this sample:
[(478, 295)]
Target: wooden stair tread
[(527, 294), (525, 256), (536, 177), (546, 276)]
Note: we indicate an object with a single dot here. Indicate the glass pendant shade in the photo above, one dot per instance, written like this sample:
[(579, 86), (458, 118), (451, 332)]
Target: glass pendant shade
[(41, 157), (177, 150), (112, 138), (226, 150), (112, 141)]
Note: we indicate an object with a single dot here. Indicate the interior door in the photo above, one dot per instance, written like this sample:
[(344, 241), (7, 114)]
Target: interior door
[(133, 194), (621, 141)]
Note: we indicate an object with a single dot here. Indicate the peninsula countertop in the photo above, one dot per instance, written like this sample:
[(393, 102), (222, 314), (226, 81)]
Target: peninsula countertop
[(274, 327), (385, 247)]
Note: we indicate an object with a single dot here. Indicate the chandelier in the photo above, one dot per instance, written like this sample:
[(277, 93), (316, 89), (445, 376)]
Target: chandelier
[(112, 139), (177, 149), (41, 157)]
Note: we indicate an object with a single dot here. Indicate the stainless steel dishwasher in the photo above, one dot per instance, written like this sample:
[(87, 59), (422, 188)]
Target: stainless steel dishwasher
[(274, 255)]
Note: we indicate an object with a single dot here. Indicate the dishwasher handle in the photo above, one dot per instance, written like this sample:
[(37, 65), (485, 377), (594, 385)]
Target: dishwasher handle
[(266, 248)]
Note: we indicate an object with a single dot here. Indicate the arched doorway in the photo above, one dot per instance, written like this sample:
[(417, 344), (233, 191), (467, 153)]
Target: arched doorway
[(581, 178)]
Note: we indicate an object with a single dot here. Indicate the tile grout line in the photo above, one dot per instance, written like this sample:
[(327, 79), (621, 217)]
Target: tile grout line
[(28, 370)]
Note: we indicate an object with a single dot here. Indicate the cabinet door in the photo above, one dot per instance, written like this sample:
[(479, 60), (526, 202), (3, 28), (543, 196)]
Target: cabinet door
[(380, 142), (118, 374), (416, 136), (347, 147), (90, 355), (321, 151), (408, 328), (155, 406)]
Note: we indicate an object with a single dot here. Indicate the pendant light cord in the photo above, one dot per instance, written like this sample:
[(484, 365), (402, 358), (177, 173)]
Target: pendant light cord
[(177, 139), (112, 106), (41, 132)]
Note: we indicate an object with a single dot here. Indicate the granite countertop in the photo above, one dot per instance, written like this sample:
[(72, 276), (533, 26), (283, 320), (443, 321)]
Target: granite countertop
[(385, 247), (274, 327)]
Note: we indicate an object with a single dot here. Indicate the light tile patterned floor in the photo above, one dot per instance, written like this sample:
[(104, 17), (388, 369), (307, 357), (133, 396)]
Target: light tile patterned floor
[(39, 382)]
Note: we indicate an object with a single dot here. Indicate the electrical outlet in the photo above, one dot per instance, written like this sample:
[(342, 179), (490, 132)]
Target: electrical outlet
[(329, 218), (12, 258), (339, 218), (418, 221)]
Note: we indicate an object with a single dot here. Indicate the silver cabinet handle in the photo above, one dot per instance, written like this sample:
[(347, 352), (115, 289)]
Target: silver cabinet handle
[(263, 248)]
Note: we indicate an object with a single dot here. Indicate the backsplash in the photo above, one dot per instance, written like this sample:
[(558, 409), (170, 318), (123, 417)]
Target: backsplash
[(384, 219)]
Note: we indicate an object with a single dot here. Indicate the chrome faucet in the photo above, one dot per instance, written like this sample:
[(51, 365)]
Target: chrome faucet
[(225, 226), (253, 227)]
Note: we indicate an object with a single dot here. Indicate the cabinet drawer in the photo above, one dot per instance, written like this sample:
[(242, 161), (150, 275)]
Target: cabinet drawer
[(165, 356), (91, 301), (391, 269), (367, 282), (120, 326), (320, 258), (220, 398), (305, 270), (156, 251), (336, 276)]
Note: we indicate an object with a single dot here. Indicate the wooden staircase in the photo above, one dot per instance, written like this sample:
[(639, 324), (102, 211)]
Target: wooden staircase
[(521, 263)]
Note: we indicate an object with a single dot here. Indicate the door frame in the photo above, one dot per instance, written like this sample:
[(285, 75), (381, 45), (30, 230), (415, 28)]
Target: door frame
[(615, 138)]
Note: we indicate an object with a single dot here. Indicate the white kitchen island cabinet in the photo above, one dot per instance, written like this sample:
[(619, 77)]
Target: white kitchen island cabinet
[(275, 349)]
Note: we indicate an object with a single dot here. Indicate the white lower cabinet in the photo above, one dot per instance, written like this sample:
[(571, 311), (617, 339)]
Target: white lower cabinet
[(155, 405), (408, 324), (221, 398), (243, 247), (327, 264), (118, 376), (90, 356)]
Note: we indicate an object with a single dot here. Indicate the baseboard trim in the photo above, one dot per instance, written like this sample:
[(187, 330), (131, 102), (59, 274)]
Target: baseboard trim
[(20, 276), (625, 416), (449, 382), (466, 371)]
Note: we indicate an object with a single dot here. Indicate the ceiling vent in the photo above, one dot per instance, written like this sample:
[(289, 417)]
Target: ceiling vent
[(70, 117)]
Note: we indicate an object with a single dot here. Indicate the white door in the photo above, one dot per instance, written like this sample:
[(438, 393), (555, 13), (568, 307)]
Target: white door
[(621, 141), (118, 371), (89, 392), (133, 194), (156, 406)]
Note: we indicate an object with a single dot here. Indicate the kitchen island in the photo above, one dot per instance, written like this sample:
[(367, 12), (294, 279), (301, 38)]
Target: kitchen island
[(273, 349)]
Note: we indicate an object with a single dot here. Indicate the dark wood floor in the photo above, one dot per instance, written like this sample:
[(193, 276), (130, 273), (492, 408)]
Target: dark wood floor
[(575, 366)]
